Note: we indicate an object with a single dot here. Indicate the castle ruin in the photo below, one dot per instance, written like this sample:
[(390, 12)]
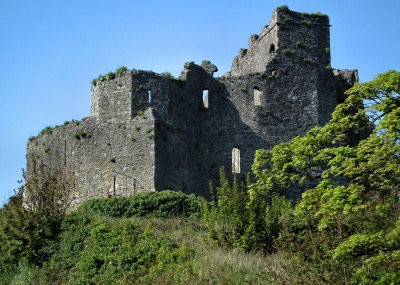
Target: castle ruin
[(151, 132)]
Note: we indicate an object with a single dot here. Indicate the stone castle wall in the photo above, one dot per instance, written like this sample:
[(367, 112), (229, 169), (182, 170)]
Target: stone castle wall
[(150, 132)]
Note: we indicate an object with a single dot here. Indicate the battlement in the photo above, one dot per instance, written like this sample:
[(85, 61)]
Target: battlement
[(161, 132)]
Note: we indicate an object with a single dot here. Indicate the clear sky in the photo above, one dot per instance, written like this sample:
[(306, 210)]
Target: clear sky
[(51, 50)]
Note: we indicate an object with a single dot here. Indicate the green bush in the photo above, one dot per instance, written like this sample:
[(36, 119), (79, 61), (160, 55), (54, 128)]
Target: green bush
[(110, 75), (151, 204), (121, 70), (47, 130), (287, 52), (98, 250), (283, 8)]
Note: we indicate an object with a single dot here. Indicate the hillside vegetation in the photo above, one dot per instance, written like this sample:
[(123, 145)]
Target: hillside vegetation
[(344, 230)]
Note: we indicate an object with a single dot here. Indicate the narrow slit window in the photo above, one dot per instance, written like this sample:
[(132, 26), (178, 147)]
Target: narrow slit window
[(257, 96), (235, 160), (149, 93), (205, 98)]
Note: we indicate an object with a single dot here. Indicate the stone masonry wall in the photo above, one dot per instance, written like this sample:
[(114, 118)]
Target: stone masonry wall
[(151, 132)]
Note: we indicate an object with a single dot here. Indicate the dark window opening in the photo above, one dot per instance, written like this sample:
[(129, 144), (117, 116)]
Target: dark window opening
[(272, 48)]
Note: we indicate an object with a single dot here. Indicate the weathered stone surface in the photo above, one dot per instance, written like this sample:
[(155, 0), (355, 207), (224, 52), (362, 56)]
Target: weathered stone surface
[(278, 88)]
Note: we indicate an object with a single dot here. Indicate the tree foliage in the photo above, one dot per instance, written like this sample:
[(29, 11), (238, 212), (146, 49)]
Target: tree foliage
[(349, 173)]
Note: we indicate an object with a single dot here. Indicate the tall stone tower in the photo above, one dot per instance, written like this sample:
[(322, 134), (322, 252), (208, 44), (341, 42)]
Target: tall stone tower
[(151, 132)]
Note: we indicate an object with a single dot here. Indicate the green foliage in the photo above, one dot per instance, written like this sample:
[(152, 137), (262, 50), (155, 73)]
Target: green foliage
[(94, 250), (167, 74), (283, 8), (327, 50), (298, 44), (112, 160), (94, 82), (151, 204), (347, 223), (30, 235), (66, 123), (287, 52), (8, 262), (352, 207), (121, 70), (47, 130), (227, 214), (149, 130), (110, 75)]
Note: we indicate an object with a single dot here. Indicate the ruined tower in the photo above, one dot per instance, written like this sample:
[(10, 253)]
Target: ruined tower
[(151, 132)]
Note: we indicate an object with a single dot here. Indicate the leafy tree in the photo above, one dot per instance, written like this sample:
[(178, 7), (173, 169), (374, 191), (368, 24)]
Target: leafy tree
[(350, 169), (30, 228)]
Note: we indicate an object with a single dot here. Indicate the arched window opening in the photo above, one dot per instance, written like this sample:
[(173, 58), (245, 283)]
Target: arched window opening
[(272, 48), (235, 160), (205, 98), (149, 93), (257, 96)]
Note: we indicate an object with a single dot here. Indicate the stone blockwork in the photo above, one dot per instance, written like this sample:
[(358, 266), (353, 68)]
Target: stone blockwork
[(150, 132)]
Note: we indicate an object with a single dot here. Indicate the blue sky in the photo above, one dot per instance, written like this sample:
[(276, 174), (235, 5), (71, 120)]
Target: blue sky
[(51, 50)]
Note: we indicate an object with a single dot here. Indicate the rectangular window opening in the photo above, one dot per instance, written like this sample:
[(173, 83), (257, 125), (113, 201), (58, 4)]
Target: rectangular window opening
[(205, 99), (235, 160), (257, 96)]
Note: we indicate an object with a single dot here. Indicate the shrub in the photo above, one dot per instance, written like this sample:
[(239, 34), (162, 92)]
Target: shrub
[(66, 123), (298, 44), (112, 160), (149, 130), (287, 52), (168, 74), (283, 8), (327, 50), (94, 81), (47, 130), (76, 136), (121, 70), (137, 128), (150, 204), (110, 75)]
